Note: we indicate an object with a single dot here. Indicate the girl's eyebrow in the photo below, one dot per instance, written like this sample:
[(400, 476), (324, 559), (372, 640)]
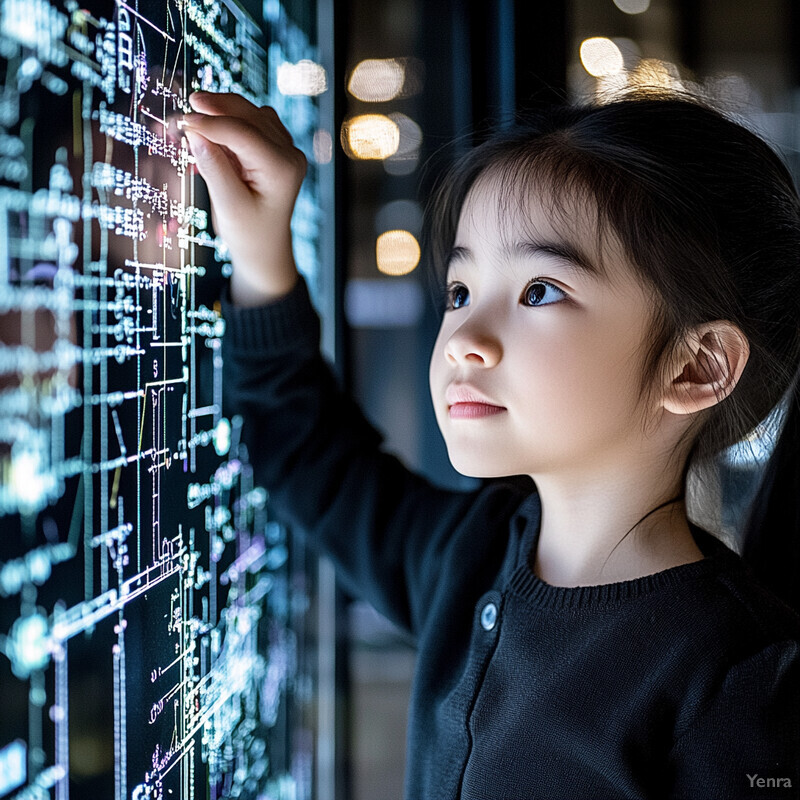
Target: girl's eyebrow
[(458, 254), (564, 251)]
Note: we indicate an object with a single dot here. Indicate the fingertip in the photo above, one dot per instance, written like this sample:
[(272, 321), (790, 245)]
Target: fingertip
[(190, 119), (198, 143), (195, 98)]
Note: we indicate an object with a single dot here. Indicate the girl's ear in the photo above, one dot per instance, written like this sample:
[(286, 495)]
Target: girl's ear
[(706, 367)]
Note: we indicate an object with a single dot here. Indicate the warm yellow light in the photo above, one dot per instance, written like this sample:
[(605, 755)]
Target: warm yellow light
[(653, 73), (600, 56), (376, 80), (370, 136), (397, 252), (609, 87), (303, 78), (632, 6)]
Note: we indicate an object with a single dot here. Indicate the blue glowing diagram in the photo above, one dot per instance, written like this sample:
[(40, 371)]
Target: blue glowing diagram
[(152, 613)]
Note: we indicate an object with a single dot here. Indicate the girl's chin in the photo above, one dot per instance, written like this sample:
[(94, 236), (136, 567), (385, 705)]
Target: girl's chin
[(477, 468)]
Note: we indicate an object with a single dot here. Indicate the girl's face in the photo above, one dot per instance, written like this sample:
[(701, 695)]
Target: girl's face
[(537, 366)]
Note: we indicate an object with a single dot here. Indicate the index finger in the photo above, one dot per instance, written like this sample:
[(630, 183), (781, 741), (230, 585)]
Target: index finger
[(234, 105), (223, 104)]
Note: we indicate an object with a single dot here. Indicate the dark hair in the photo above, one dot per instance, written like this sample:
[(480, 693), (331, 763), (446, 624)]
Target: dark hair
[(710, 219)]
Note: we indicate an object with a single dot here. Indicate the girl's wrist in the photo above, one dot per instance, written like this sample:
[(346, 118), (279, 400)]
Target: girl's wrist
[(264, 271), (250, 287)]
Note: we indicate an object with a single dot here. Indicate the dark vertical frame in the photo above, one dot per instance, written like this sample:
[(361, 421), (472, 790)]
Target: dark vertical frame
[(516, 56), (540, 43), (689, 17), (343, 777), (794, 41), (332, 766)]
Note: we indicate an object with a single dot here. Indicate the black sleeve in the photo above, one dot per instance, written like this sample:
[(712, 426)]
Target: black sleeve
[(384, 527)]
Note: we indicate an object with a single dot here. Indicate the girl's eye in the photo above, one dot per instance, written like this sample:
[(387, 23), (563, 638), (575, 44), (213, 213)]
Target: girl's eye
[(542, 293), (457, 296)]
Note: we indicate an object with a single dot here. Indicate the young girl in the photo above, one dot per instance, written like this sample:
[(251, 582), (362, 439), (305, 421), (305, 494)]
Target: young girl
[(622, 287)]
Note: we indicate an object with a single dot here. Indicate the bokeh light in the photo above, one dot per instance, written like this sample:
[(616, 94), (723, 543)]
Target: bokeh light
[(632, 6), (655, 74), (370, 136), (322, 146), (29, 479), (600, 57), (28, 645), (376, 80), (303, 78), (397, 252)]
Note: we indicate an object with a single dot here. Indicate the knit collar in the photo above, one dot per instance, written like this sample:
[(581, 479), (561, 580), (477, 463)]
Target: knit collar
[(524, 581)]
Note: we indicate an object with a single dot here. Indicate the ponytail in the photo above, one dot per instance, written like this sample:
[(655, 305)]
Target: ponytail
[(771, 541)]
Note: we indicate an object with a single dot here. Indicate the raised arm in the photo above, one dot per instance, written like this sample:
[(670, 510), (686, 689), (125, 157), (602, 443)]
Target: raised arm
[(389, 531)]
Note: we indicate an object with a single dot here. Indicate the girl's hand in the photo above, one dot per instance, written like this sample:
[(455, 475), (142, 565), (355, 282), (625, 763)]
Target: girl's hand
[(253, 172)]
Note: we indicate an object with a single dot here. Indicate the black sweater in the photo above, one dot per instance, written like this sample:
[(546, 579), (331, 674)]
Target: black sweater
[(680, 684)]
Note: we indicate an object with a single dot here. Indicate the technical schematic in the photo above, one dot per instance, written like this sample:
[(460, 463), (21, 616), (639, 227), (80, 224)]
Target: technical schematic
[(153, 615)]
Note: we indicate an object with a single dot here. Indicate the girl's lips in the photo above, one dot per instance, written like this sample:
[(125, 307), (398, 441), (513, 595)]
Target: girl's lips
[(466, 402), (471, 410)]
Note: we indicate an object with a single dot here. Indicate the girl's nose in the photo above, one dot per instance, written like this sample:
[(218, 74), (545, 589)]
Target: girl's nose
[(474, 347)]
